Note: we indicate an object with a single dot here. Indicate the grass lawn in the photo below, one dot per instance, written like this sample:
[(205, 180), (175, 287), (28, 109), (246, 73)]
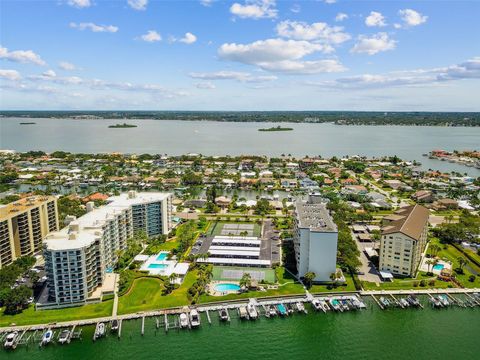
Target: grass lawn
[(349, 286), (166, 246), (30, 316), (146, 294), (216, 227), (406, 284)]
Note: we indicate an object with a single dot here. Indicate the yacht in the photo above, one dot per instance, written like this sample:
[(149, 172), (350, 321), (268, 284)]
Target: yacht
[(183, 320), (242, 311), (114, 325), (10, 340), (223, 314), (272, 311), (47, 337), (317, 305), (64, 336), (194, 318), (252, 311), (99, 330), (300, 307)]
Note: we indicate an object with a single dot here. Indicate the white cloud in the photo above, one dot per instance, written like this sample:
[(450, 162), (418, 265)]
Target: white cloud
[(255, 9), (65, 65), (79, 3), (205, 85), (295, 8), (138, 4), (305, 67), (206, 2), (412, 18), (329, 1), (232, 75), (375, 19), (341, 16), (320, 31), (188, 38), (374, 44), (151, 36), (94, 27), (10, 74), (21, 56)]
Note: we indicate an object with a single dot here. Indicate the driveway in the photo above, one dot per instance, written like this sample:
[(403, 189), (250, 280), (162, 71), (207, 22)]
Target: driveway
[(370, 272)]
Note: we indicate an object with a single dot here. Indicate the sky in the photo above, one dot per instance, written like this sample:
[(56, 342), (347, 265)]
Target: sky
[(239, 55)]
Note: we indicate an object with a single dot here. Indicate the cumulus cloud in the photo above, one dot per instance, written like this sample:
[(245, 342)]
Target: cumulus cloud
[(80, 4), (255, 9), (412, 18), (375, 19), (320, 31), (151, 36), (65, 65), (469, 69), (188, 38), (21, 56), (10, 74), (373, 44), (205, 85), (138, 4), (94, 27), (341, 16), (232, 75)]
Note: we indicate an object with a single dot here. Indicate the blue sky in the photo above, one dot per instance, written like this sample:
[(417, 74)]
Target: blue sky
[(240, 55)]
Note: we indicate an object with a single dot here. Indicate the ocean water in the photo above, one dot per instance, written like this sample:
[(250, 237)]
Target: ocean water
[(176, 137), (370, 334)]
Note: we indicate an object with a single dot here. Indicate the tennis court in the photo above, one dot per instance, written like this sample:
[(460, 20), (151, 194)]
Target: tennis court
[(235, 229), (236, 273)]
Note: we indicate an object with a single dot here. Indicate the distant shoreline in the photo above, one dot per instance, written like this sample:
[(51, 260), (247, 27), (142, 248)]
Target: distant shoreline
[(277, 128), (122, 126)]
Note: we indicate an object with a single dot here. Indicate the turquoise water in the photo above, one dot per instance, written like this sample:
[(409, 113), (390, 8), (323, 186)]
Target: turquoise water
[(162, 256), (438, 267), (367, 335), (157, 266), (227, 287)]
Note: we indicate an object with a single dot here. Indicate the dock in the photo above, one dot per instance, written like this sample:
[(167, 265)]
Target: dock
[(378, 302), (120, 328), (143, 325)]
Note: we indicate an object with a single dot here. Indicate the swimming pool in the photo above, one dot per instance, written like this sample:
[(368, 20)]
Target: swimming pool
[(226, 287), (157, 266), (438, 267), (162, 256)]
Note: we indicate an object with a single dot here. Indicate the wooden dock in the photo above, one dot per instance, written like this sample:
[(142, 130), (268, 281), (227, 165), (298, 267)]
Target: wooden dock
[(378, 302)]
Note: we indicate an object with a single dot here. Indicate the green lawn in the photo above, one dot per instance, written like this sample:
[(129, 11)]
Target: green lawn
[(30, 316), (405, 284), (146, 294), (166, 246), (349, 286)]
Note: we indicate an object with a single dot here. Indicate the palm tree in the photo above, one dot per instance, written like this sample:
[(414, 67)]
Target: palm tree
[(461, 263), (430, 263), (246, 280), (434, 249), (309, 277)]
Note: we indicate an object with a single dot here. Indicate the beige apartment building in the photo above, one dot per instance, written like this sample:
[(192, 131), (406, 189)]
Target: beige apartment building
[(404, 237), (23, 226)]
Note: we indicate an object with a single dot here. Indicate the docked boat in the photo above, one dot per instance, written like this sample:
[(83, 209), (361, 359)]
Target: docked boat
[(194, 318), (357, 303), (345, 304), (272, 311), (413, 300), (443, 299), (404, 302), (223, 314), (183, 320), (47, 337), (242, 311), (114, 325), (384, 301), (282, 310), (252, 311), (317, 305), (64, 336), (300, 307), (99, 330), (436, 303), (335, 304), (10, 340)]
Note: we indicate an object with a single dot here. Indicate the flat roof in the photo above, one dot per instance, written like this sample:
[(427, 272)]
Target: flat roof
[(232, 261), (235, 248), (255, 253), (228, 241), (314, 217), (22, 205)]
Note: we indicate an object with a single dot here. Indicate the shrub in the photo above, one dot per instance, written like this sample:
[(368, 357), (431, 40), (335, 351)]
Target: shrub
[(415, 284), (431, 283), (423, 283), (471, 278)]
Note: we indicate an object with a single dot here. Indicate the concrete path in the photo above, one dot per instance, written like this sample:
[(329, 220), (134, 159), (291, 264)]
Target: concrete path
[(115, 297)]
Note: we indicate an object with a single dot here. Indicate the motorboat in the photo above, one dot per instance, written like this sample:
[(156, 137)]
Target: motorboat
[(194, 318), (99, 330), (300, 307), (413, 300), (47, 337), (64, 336), (290, 308), (242, 311), (436, 303), (272, 311), (317, 305), (10, 340), (183, 320), (384, 301), (335, 304), (114, 325), (282, 310), (252, 311), (443, 299), (404, 302), (223, 314)]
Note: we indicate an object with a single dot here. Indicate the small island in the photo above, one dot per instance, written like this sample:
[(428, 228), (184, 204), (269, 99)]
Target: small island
[(276, 128), (27, 123), (122, 126)]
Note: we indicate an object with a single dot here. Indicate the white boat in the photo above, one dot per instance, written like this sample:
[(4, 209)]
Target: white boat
[(183, 320), (47, 337), (223, 314), (64, 336), (252, 311), (242, 311), (194, 318), (99, 330), (10, 340), (272, 311), (300, 307), (114, 325), (317, 305)]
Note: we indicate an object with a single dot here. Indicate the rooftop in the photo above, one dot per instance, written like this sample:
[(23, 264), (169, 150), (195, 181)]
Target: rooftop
[(23, 205), (314, 217), (409, 220)]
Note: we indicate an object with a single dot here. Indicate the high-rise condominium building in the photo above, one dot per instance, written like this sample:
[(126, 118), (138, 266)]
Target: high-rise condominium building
[(78, 257), (23, 226), (315, 240), (403, 240)]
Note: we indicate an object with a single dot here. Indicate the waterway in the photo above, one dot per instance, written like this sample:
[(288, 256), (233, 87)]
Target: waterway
[(370, 334), (176, 137)]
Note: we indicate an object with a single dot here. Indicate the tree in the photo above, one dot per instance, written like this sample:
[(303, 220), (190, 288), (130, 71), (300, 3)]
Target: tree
[(246, 280), (309, 277), (461, 263), (17, 300), (434, 249)]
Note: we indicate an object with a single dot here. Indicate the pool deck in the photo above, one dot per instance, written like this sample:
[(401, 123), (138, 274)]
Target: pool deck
[(214, 292)]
